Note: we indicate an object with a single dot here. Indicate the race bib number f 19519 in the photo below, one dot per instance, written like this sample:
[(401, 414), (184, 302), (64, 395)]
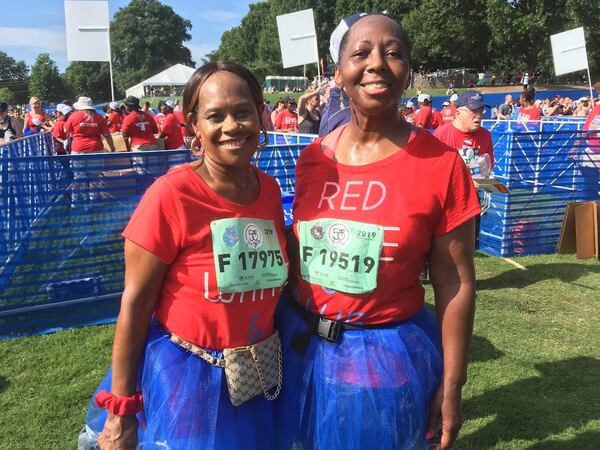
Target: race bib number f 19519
[(340, 254), (247, 255)]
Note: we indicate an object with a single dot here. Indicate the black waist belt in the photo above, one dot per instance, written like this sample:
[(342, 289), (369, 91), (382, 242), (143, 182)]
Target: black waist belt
[(331, 329)]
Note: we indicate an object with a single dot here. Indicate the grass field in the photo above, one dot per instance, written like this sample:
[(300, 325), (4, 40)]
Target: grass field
[(533, 379)]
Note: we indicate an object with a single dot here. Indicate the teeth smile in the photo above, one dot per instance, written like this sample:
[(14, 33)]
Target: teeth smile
[(237, 143), (373, 86)]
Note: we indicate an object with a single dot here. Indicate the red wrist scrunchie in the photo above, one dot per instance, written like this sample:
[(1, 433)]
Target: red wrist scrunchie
[(119, 405)]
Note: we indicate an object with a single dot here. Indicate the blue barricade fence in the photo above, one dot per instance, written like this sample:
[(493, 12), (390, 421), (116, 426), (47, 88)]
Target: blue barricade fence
[(545, 165), (61, 253)]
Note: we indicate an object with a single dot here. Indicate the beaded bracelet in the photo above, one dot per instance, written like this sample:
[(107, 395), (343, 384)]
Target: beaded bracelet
[(119, 405)]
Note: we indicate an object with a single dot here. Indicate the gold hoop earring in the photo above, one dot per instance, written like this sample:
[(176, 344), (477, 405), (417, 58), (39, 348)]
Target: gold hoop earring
[(196, 146), (265, 134)]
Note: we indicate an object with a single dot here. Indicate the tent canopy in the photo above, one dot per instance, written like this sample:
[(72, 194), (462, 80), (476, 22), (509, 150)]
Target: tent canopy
[(176, 75)]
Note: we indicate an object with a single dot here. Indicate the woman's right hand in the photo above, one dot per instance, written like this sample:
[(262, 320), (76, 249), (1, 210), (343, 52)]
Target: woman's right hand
[(119, 433)]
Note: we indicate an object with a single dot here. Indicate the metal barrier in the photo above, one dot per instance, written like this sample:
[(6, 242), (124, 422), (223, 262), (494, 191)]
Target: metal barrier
[(61, 253), (541, 163)]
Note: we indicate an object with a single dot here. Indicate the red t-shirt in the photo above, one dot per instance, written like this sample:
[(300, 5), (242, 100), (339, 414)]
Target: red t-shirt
[(58, 132), (421, 191), (286, 120), (481, 140), (423, 117), (116, 120), (179, 115), (159, 119), (141, 127), (86, 131), (593, 123), (172, 131), (448, 113), (436, 119), (527, 114), (29, 120), (172, 221)]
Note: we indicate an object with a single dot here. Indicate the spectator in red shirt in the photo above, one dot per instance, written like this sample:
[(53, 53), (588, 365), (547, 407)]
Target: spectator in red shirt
[(171, 129), (58, 132), (138, 130), (287, 119), (87, 128), (114, 118), (528, 110), (448, 112), (424, 116), (465, 132)]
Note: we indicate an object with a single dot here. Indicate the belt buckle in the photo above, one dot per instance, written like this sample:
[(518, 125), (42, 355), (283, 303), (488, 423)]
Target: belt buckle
[(328, 329)]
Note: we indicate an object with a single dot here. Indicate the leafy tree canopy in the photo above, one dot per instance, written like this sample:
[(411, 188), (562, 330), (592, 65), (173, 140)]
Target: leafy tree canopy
[(45, 81), (6, 95), (89, 79), (146, 38)]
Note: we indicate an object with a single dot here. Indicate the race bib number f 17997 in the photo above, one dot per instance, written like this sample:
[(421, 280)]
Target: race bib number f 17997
[(340, 254), (247, 255)]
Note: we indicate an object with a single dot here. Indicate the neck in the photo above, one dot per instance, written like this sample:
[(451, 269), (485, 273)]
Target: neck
[(236, 184), (366, 129)]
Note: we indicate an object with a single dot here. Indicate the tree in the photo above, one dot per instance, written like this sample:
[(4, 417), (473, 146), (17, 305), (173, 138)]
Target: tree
[(90, 79), (11, 69), (449, 34), (45, 81), (6, 95), (146, 38), (13, 77)]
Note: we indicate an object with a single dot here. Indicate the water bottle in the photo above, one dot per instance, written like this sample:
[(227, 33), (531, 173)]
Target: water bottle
[(485, 165), (8, 136), (87, 440)]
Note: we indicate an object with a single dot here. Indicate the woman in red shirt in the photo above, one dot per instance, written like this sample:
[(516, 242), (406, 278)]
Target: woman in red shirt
[(374, 200), (35, 119), (528, 111), (114, 118), (205, 262), (86, 128)]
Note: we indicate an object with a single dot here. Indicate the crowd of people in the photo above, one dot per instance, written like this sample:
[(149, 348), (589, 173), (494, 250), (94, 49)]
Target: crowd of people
[(235, 333)]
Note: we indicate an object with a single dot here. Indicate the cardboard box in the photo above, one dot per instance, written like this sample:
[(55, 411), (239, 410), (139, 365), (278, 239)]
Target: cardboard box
[(120, 145), (580, 232), (490, 185)]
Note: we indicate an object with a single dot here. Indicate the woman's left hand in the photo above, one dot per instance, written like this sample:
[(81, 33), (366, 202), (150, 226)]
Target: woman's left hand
[(445, 406)]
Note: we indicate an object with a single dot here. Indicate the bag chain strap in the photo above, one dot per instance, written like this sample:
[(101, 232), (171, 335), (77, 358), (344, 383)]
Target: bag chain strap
[(261, 377)]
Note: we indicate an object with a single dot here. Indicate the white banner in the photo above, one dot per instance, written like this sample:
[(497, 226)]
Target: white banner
[(569, 52), (87, 29), (297, 38)]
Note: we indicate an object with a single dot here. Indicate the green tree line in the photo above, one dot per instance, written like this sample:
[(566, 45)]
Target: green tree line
[(503, 36)]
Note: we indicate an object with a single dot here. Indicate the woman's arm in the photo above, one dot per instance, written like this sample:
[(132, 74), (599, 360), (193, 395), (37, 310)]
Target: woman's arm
[(109, 141), (452, 276), (302, 104), (144, 274)]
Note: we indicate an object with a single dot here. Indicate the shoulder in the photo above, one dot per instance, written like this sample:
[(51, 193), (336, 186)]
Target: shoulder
[(269, 182), (427, 145), (444, 130)]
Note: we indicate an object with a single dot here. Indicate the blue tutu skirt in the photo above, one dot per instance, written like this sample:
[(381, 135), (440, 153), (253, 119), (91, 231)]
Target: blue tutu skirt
[(186, 404), (371, 389)]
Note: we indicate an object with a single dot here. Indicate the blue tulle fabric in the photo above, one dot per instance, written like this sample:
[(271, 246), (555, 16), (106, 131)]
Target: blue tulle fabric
[(370, 390), (187, 406)]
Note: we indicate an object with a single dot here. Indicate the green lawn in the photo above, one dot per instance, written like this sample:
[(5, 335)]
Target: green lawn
[(533, 381)]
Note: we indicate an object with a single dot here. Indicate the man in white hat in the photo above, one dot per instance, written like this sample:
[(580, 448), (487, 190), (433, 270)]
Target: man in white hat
[(171, 129), (424, 115), (58, 132), (449, 110), (114, 118)]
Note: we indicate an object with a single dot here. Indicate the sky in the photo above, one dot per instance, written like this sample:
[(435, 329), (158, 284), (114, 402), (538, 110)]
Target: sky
[(38, 26)]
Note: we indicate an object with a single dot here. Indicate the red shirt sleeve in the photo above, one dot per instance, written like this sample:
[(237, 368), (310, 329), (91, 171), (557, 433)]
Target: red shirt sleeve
[(279, 119), (154, 224), (102, 125), (461, 202), (152, 123)]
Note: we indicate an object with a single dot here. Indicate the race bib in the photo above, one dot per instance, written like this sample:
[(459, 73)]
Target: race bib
[(247, 255), (340, 254)]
